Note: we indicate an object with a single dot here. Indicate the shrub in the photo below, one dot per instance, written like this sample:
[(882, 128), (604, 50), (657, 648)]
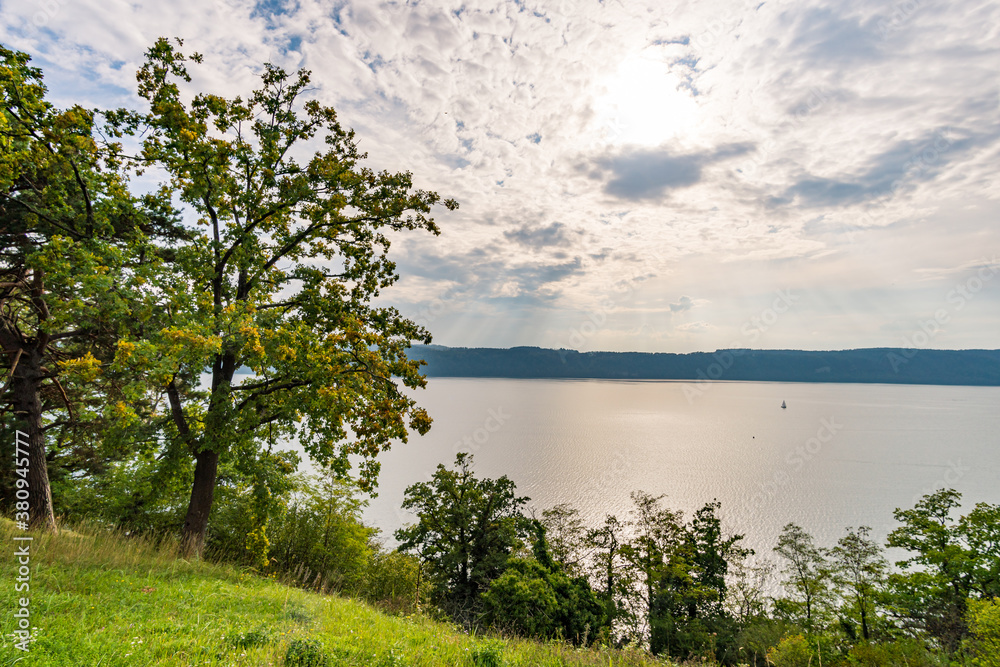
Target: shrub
[(984, 623), (252, 639), (905, 652), (760, 636), (533, 601), (306, 653), (791, 651), (489, 654)]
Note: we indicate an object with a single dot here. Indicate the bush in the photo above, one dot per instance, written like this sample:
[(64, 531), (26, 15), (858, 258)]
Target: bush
[(252, 639), (984, 623), (488, 655), (906, 652), (315, 537), (760, 636), (791, 651), (306, 653), (521, 601), (533, 601), (391, 581)]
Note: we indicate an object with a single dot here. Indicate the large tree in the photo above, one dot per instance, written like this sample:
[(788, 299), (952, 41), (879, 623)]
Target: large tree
[(74, 244), (687, 615), (466, 530), (606, 568), (950, 562), (280, 280), (807, 573), (860, 570)]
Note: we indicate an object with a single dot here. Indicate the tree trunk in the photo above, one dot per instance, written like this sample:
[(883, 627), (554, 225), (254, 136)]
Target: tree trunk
[(202, 494), (24, 389)]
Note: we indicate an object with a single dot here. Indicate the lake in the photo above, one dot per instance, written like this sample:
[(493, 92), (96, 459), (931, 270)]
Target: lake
[(840, 454)]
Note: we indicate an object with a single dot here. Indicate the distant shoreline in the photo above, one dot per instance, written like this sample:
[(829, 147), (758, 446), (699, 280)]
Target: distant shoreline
[(860, 366)]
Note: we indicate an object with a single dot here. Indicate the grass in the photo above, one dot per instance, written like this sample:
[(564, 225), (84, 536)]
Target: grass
[(101, 599)]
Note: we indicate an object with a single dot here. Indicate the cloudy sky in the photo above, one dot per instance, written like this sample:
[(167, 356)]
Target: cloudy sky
[(634, 175)]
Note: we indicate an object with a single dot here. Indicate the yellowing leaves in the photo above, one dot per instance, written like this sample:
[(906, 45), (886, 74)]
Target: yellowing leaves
[(85, 368), (252, 344), (192, 339), (125, 350)]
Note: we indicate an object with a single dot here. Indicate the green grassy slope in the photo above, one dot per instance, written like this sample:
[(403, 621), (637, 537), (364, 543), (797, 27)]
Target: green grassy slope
[(99, 599)]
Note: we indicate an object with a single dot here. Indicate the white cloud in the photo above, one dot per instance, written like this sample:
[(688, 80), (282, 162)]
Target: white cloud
[(832, 147)]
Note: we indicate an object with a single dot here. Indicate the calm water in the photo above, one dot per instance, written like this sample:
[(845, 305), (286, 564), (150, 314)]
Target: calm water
[(839, 455)]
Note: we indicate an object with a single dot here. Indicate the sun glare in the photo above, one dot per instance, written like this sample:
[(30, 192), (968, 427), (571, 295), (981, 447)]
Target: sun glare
[(646, 104)]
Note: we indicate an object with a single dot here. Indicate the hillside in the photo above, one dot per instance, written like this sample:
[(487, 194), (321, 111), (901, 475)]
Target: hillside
[(873, 365), (105, 600)]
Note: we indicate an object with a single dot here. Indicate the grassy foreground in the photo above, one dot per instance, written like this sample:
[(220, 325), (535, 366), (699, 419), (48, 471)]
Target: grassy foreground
[(100, 599)]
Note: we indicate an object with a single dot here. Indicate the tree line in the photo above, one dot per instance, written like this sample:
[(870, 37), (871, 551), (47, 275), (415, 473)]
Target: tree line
[(684, 588), (883, 365)]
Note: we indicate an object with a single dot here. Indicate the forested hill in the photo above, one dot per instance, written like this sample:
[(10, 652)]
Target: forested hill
[(886, 365)]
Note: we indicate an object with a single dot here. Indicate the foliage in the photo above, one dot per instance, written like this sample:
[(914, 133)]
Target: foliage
[(905, 652), (306, 653), (757, 637), (950, 562), (566, 535), (746, 592), (77, 248), (536, 598), (807, 575), (984, 624), (106, 599), (681, 569), (281, 280), (605, 569), (316, 539), (489, 654), (793, 651), (859, 569), (466, 530)]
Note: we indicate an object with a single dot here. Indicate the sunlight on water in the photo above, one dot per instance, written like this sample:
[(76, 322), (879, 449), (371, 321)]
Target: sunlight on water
[(839, 455)]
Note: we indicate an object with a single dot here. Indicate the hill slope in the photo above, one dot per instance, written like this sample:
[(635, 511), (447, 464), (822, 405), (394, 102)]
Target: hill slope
[(105, 600)]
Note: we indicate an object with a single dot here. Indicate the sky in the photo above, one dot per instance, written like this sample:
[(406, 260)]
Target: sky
[(652, 176)]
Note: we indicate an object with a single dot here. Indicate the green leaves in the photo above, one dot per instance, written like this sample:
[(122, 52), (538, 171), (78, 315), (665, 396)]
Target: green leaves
[(466, 529), (950, 562), (281, 276)]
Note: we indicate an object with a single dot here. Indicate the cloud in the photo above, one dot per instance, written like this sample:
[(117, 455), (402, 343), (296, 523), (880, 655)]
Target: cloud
[(830, 40), (685, 303), (695, 327), (833, 112), (902, 165), (553, 234), (647, 174)]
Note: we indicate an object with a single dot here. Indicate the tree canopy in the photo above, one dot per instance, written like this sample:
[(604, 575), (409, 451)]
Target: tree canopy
[(280, 278)]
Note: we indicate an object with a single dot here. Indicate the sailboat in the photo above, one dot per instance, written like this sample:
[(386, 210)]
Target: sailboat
[(783, 406)]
